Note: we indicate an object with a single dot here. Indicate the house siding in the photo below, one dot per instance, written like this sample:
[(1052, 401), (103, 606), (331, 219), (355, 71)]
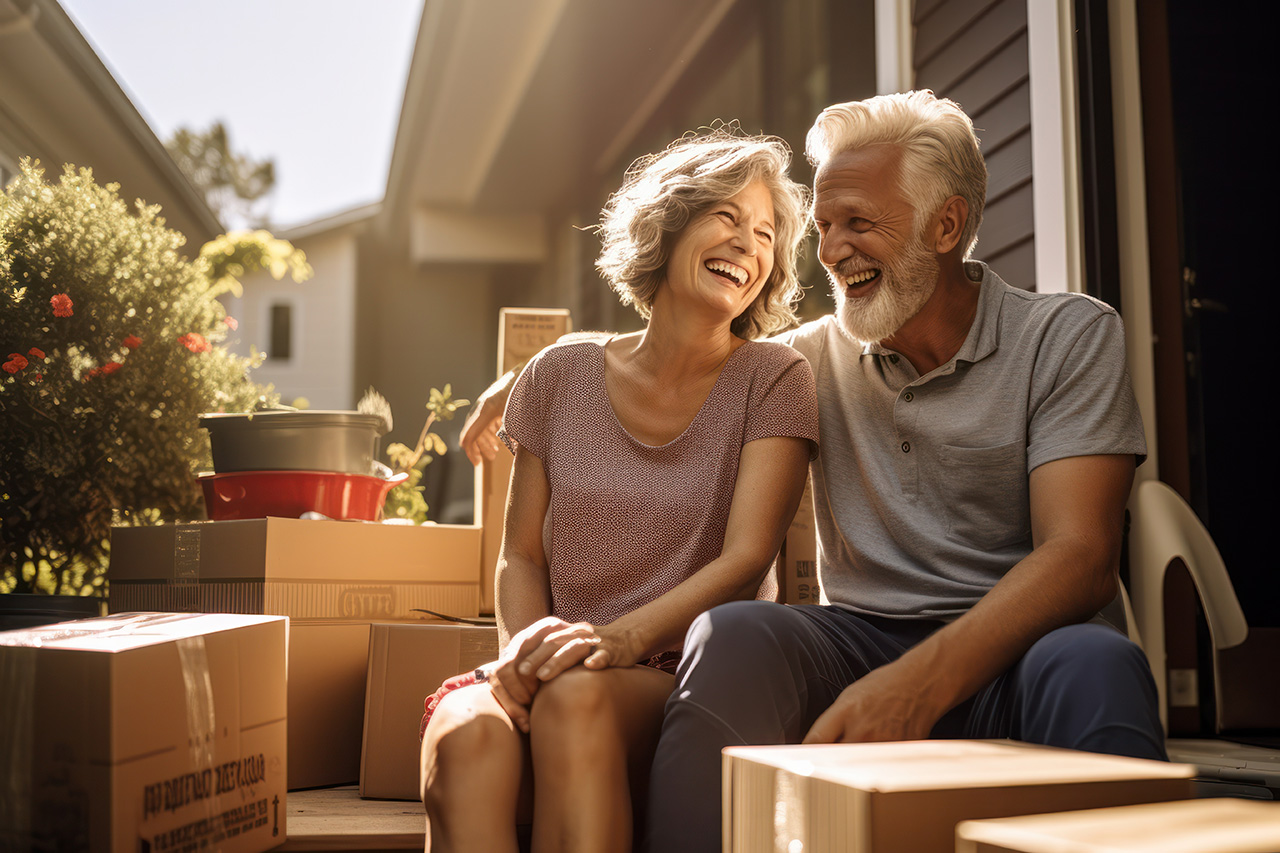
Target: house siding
[(975, 52)]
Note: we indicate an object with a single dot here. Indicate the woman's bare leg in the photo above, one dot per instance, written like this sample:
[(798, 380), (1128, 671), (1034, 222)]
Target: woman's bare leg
[(475, 779), (592, 738)]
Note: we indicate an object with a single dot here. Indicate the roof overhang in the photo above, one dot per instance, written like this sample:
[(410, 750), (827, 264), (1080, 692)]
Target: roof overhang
[(59, 103), (513, 109)]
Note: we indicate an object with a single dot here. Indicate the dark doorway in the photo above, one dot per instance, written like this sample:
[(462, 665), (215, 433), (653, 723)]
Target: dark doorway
[(1224, 173)]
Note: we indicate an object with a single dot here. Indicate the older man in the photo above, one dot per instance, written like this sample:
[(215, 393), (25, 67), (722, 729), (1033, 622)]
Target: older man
[(978, 443)]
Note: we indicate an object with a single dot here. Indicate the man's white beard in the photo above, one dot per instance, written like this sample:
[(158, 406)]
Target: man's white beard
[(905, 286)]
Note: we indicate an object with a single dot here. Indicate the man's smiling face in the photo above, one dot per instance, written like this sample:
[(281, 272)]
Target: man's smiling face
[(882, 271)]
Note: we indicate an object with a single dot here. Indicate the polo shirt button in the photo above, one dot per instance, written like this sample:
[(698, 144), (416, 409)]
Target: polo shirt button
[(908, 396), (893, 358), (906, 447)]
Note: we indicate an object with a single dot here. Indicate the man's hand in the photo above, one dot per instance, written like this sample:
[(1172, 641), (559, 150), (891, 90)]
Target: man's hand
[(885, 704), (479, 438)]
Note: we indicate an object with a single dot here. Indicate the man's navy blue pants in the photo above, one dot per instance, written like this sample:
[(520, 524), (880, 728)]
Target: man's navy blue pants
[(756, 672)]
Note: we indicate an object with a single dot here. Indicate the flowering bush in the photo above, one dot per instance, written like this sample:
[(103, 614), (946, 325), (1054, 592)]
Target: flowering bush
[(113, 337)]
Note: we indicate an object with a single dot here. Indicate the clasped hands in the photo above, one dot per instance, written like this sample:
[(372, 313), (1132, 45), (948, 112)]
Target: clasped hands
[(547, 648)]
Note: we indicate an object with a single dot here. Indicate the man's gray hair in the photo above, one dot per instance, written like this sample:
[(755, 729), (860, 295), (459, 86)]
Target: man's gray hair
[(940, 150), (662, 193)]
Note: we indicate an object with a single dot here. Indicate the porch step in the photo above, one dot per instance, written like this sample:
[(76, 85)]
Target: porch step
[(336, 819)]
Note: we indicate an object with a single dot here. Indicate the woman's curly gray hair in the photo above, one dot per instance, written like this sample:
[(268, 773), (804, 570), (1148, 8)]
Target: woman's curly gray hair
[(662, 193)]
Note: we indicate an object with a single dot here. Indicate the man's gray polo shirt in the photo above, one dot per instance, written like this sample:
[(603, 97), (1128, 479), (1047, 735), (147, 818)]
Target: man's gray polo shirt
[(921, 485)]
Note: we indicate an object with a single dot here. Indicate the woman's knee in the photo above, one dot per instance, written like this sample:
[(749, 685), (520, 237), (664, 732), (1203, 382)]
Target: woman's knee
[(577, 701), (464, 744)]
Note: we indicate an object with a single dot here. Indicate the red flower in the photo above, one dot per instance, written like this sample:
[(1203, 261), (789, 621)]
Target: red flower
[(97, 371), (195, 342), (232, 323), (133, 342), (36, 352), (15, 363), (39, 376), (62, 305), (109, 368)]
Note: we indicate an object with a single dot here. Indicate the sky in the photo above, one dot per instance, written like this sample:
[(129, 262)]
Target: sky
[(315, 85)]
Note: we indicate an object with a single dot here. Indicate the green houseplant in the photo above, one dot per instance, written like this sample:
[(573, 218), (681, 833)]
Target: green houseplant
[(112, 339)]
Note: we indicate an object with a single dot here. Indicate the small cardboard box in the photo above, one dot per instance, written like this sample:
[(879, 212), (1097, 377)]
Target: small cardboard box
[(407, 663), (146, 731), (1199, 826), (331, 577), (522, 334), (798, 562), (891, 797)]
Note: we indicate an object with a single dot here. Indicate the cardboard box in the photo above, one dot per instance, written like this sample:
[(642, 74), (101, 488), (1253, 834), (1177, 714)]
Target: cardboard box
[(892, 797), (148, 731), (407, 663), (327, 671), (340, 570), (798, 562), (331, 577), (1200, 826), (522, 334)]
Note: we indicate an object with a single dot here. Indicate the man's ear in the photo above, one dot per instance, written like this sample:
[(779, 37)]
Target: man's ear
[(949, 226)]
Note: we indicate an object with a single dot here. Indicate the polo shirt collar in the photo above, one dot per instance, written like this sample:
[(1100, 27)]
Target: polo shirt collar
[(984, 335)]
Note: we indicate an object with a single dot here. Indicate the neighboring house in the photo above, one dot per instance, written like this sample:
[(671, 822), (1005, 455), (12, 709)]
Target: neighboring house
[(307, 331), (59, 104)]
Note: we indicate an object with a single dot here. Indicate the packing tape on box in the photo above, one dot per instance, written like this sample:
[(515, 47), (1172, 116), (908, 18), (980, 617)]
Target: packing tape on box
[(19, 656)]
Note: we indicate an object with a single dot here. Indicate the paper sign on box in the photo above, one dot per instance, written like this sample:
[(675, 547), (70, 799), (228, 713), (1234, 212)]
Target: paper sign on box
[(407, 663), (153, 731), (891, 797), (522, 334)]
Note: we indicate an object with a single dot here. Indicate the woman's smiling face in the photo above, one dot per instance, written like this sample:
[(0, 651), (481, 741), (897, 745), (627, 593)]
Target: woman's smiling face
[(725, 255)]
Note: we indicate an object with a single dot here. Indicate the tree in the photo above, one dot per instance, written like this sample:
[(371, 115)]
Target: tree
[(232, 184), (114, 347)]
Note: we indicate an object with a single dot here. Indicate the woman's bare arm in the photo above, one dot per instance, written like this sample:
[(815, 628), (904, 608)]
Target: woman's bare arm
[(771, 477)]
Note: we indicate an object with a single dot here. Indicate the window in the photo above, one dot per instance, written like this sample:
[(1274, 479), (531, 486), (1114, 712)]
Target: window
[(280, 347)]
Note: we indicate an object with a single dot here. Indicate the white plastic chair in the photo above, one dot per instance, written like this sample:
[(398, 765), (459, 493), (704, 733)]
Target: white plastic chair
[(1165, 528)]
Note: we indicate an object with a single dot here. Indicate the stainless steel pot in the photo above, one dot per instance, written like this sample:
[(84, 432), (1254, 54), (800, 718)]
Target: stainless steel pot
[(294, 441)]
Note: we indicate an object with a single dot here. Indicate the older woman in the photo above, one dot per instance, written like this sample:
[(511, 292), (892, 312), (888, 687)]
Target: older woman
[(655, 474)]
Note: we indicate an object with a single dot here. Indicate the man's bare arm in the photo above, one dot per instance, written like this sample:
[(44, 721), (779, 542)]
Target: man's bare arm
[(1077, 520), (479, 439)]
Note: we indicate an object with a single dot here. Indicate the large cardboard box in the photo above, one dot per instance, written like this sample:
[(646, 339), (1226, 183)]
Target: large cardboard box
[(892, 797), (407, 663), (522, 334), (156, 732), (1200, 826), (302, 569), (332, 578)]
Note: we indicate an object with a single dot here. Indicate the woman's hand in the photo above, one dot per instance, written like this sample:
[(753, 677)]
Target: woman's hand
[(513, 688), (594, 646)]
